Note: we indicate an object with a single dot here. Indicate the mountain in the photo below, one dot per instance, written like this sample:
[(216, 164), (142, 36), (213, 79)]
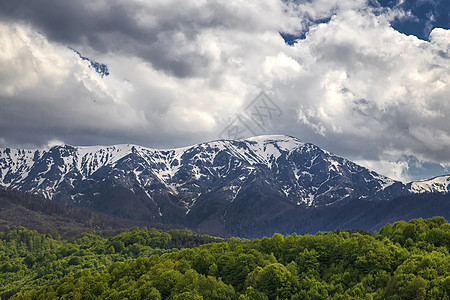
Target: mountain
[(46, 216), (233, 186), (440, 184)]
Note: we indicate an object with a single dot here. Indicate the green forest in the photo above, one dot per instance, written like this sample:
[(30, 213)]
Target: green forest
[(406, 260)]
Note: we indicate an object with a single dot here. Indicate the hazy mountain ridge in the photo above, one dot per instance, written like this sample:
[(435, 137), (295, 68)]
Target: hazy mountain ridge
[(223, 183)]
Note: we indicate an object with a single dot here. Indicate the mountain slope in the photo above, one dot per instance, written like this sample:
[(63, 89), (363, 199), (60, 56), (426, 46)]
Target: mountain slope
[(223, 185), (440, 184), (46, 216)]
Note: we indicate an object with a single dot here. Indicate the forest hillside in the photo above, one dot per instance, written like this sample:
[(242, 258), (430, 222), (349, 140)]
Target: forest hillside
[(406, 260)]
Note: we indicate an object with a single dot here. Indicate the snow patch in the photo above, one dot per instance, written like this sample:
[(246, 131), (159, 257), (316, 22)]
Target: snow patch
[(439, 184)]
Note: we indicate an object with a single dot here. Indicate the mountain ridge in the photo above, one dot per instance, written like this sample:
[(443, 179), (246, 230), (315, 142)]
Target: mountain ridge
[(220, 184), (95, 157)]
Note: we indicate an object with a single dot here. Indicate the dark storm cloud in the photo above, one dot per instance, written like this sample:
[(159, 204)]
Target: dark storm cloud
[(110, 27), (157, 33)]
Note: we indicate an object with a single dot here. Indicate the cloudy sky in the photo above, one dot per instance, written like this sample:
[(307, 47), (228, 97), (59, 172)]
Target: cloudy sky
[(366, 80)]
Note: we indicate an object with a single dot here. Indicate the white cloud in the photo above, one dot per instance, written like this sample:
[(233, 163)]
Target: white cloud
[(376, 89), (47, 91), (441, 38), (181, 69), (53, 143), (397, 170)]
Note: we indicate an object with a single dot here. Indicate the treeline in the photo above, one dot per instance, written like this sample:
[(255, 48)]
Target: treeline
[(29, 259), (406, 260)]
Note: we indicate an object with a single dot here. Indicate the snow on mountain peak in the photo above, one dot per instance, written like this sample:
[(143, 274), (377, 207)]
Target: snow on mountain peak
[(289, 140), (300, 172), (218, 178), (440, 184)]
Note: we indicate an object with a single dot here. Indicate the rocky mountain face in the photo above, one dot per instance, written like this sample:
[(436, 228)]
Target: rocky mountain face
[(226, 186)]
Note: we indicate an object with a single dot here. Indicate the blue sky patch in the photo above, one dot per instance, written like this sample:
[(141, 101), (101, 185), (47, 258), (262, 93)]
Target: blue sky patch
[(426, 15), (100, 68)]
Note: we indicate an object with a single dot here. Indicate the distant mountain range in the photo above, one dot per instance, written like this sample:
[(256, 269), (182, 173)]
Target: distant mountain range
[(245, 187)]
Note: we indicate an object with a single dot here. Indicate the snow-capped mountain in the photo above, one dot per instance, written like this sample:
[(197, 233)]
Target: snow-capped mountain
[(440, 184), (218, 183)]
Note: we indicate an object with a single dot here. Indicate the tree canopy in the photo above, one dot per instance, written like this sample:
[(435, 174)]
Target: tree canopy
[(406, 260)]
